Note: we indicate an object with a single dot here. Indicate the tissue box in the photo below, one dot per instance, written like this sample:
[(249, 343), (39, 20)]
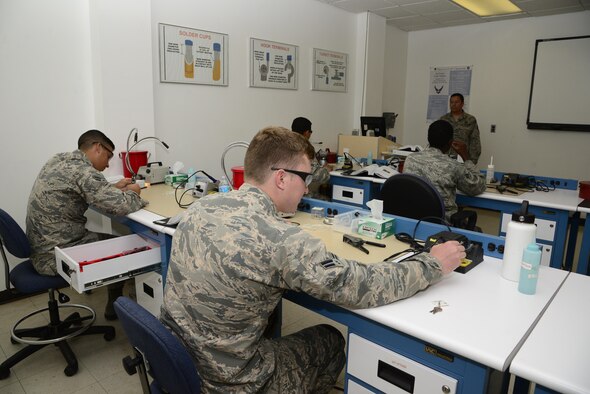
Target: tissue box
[(376, 228), (171, 179)]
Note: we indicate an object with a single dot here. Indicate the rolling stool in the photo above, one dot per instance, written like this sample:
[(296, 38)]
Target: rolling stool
[(27, 280)]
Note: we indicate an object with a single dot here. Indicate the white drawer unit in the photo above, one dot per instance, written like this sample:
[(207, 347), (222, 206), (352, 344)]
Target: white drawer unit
[(347, 194), (355, 388), (546, 254), (96, 264), (545, 228), (393, 373), (149, 290)]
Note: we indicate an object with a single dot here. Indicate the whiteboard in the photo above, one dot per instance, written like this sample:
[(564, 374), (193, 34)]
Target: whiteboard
[(560, 87)]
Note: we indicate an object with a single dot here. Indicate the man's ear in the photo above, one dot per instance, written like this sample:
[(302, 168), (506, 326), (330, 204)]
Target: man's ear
[(279, 179)]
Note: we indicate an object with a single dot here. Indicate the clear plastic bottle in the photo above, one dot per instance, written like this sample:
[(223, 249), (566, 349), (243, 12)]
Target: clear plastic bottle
[(490, 171), (370, 158), (192, 179), (529, 269), (224, 186)]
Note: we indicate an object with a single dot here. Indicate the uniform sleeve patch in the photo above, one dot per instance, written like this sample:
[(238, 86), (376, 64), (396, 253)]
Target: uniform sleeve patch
[(330, 263)]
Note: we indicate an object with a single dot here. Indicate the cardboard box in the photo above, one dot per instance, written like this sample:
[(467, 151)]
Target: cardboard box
[(359, 146), (376, 228)]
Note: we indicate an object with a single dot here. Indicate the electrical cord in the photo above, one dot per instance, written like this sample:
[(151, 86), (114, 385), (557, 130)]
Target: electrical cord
[(183, 184), (353, 158)]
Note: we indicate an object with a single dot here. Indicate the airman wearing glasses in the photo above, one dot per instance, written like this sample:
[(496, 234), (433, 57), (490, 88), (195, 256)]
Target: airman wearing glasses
[(233, 257), (64, 189)]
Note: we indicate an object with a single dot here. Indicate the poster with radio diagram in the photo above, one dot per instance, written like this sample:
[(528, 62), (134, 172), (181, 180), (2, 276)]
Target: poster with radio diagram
[(193, 56), (329, 70), (273, 64)]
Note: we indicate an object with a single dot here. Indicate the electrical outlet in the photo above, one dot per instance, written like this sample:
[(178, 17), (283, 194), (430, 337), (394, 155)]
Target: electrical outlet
[(493, 128)]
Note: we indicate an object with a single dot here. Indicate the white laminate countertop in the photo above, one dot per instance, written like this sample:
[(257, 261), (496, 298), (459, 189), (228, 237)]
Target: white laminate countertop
[(486, 319), (557, 353)]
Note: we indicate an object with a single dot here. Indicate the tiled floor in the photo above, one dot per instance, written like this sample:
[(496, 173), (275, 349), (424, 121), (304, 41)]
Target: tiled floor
[(100, 368)]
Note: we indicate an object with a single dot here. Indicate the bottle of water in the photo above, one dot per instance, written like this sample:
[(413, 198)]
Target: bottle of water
[(224, 185), (520, 233)]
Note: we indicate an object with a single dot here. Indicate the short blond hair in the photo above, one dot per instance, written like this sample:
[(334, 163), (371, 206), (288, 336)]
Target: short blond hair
[(275, 147)]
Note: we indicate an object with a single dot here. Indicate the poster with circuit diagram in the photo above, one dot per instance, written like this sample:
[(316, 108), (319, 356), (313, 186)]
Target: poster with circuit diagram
[(193, 56), (329, 70), (273, 64)]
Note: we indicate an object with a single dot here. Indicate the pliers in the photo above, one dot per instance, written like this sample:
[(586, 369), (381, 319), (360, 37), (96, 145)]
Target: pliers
[(358, 242)]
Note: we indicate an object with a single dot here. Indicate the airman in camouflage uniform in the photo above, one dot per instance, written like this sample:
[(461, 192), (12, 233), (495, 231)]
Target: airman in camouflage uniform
[(464, 126), (233, 257), (444, 172), (66, 185), (321, 175)]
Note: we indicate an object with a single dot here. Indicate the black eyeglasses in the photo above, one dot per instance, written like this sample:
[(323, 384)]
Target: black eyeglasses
[(305, 176), (110, 154)]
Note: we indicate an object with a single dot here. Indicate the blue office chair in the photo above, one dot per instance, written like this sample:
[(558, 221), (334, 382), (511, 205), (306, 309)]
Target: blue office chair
[(414, 197), (167, 360), (26, 280)]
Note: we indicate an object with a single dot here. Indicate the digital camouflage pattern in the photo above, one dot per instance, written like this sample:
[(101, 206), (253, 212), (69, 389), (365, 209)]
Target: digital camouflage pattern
[(65, 187), (447, 175), (232, 258), (465, 130)]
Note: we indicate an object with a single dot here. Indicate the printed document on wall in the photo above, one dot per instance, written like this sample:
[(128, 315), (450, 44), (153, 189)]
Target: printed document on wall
[(193, 56), (445, 81)]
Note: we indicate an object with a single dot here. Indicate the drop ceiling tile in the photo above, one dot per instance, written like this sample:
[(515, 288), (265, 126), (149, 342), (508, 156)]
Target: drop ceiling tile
[(393, 12), (432, 7), (361, 5), (540, 5)]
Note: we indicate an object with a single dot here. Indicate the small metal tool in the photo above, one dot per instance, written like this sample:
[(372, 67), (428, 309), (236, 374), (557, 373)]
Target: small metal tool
[(358, 242)]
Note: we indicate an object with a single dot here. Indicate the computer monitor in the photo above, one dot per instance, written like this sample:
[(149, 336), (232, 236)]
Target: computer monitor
[(375, 123)]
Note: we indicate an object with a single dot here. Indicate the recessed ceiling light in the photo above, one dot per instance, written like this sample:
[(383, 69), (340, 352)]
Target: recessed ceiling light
[(489, 7)]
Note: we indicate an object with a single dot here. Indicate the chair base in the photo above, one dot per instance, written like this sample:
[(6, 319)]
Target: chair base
[(57, 332)]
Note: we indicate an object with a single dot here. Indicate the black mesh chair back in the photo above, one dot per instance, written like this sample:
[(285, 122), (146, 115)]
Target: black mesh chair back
[(412, 197)]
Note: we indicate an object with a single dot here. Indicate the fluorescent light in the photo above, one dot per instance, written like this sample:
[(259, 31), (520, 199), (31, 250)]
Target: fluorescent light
[(489, 7)]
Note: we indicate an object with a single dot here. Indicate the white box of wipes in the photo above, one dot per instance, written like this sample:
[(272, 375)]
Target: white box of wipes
[(377, 228)]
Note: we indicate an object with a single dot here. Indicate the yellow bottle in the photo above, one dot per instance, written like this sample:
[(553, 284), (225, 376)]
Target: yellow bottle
[(189, 61), (216, 61)]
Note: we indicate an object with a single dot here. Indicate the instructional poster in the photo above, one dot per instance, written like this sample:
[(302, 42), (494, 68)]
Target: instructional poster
[(193, 56), (273, 64), (329, 70), (445, 81)]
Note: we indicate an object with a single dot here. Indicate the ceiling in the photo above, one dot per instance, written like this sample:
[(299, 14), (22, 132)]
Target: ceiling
[(412, 15)]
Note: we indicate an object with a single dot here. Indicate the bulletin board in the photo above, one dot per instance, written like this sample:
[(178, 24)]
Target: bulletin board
[(273, 64), (445, 81), (193, 56), (330, 70)]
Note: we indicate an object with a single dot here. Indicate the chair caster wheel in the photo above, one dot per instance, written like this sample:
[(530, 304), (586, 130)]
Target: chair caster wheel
[(4, 373), (109, 336), (71, 370)]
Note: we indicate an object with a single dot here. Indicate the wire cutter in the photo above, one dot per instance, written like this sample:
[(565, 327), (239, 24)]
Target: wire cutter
[(358, 242)]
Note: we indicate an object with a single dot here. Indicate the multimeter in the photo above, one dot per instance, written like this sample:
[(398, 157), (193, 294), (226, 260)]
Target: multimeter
[(473, 249)]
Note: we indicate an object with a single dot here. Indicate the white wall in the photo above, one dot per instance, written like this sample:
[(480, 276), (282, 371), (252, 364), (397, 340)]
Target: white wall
[(199, 121), (502, 55), (394, 77)]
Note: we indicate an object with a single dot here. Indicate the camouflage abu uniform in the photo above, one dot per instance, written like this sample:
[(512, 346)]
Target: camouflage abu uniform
[(465, 130), (65, 187), (232, 259), (447, 175)]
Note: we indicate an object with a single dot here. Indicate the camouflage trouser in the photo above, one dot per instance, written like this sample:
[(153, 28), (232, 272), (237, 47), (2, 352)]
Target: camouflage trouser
[(308, 361)]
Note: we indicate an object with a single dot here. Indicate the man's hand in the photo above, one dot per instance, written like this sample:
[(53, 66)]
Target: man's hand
[(123, 183), (134, 187), (449, 255), (461, 149)]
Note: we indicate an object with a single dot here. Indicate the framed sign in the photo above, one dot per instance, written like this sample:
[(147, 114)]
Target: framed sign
[(330, 70), (193, 56), (273, 64)]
